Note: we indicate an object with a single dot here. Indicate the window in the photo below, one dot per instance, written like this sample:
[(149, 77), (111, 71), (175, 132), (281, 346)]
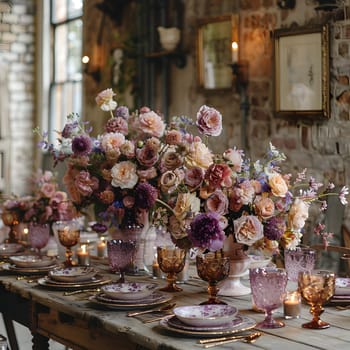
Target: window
[(65, 91)]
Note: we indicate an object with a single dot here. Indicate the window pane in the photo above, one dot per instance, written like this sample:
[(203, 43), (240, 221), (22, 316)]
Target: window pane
[(60, 53), (75, 8), (59, 10), (74, 49)]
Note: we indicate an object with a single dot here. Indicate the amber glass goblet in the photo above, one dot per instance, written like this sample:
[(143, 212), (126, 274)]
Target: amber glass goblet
[(171, 261), (213, 268), (10, 218), (316, 288), (68, 233)]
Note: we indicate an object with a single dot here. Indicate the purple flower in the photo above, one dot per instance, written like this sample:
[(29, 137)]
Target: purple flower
[(146, 195), (69, 129), (99, 228), (274, 228), (209, 121), (122, 111), (206, 232), (82, 145)]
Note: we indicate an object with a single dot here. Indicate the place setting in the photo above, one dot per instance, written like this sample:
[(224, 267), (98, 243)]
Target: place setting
[(72, 278), (10, 249)]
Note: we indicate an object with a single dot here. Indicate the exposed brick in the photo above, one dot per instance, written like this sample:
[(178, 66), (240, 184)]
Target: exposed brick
[(10, 18), (8, 37)]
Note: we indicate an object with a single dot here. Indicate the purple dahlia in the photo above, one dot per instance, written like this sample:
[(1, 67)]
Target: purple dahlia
[(146, 195), (82, 145), (274, 228)]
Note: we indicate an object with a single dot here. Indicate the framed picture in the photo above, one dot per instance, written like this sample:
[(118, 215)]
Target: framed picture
[(215, 36), (302, 72)]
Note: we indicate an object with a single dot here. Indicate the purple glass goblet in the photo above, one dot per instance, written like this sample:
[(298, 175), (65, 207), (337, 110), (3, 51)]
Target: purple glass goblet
[(268, 288), (299, 260), (120, 255), (38, 236)]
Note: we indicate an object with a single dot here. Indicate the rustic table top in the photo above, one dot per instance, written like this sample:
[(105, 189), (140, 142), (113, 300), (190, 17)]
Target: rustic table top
[(153, 336)]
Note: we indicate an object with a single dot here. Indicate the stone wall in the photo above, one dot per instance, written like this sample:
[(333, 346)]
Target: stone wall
[(17, 54)]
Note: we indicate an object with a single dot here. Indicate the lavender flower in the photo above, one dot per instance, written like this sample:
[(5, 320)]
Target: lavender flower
[(206, 232), (122, 111), (146, 195), (274, 228), (69, 129), (99, 228), (82, 145)]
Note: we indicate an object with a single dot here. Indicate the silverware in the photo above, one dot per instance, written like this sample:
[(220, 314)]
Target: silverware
[(158, 309), (157, 318), (250, 338), (82, 291)]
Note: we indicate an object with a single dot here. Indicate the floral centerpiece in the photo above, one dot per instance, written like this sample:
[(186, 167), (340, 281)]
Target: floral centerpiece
[(141, 165)]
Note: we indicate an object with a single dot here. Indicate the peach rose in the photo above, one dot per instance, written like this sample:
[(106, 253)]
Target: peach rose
[(248, 229), (264, 206), (171, 160), (128, 149), (112, 141), (185, 203), (105, 100), (199, 156), (124, 175), (169, 181), (279, 187), (298, 214), (152, 124)]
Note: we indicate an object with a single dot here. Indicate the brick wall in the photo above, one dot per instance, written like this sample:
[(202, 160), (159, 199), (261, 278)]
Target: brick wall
[(17, 48)]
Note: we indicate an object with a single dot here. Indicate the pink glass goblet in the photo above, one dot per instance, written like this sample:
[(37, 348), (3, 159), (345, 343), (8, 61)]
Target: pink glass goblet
[(268, 288), (297, 260), (38, 236), (121, 254)]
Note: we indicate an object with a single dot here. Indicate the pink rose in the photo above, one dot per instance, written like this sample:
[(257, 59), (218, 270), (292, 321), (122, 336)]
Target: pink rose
[(169, 181), (209, 121), (147, 156), (147, 174), (112, 141), (265, 207), (59, 196), (173, 137), (171, 160), (247, 192), (117, 124), (85, 184), (105, 100), (234, 156), (48, 189), (248, 229), (235, 202), (128, 149), (68, 180), (217, 202), (124, 175), (218, 175), (152, 124), (194, 177)]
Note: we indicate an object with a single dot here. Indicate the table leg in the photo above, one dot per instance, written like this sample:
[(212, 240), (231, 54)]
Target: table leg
[(11, 335), (40, 342)]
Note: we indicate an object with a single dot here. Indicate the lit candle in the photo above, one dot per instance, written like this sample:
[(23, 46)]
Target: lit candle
[(25, 235), (292, 305), (83, 255), (234, 52), (101, 248)]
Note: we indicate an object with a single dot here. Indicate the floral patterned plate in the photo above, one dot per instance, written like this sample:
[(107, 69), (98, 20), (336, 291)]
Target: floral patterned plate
[(149, 299), (342, 286), (246, 324), (93, 282), (205, 315), (154, 300), (129, 290), (32, 261), (73, 274)]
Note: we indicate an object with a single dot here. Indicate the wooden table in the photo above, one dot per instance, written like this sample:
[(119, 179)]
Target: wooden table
[(73, 321)]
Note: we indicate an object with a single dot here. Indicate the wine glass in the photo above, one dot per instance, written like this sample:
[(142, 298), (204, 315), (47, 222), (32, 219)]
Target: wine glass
[(213, 268), (68, 233), (38, 235), (121, 254), (171, 260), (316, 287), (268, 288), (10, 218)]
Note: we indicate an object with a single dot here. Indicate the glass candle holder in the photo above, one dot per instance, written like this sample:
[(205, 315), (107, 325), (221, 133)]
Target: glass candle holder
[(101, 248), (292, 305), (83, 255)]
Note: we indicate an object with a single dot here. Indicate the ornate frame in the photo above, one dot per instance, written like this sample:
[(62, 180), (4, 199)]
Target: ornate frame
[(301, 72), (214, 53)]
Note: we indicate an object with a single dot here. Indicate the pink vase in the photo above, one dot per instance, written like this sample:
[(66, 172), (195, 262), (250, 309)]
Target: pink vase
[(239, 265)]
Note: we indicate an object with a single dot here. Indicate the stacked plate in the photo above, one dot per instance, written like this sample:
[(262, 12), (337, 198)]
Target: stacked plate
[(31, 264), (8, 249), (207, 320), (126, 296), (342, 291), (73, 278)]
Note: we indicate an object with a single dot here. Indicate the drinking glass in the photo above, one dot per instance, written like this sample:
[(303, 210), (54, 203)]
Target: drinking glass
[(268, 288), (171, 261), (316, 288), (300, 259), (213, 268), (121, 254), (38, 236), (68, 233)]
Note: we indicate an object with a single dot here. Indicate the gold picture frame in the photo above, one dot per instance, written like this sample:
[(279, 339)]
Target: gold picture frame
[(301, 72), (214, 51)]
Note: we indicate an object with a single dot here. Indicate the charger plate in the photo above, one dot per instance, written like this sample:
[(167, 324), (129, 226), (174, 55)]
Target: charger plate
[(28, 270), (246, 324), (155, 300), (96, 281)]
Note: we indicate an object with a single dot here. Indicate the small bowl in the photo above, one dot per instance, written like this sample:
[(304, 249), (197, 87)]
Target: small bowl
[(10, 248), (73, 274), (32, 261), (206, 315), (129, 290), (259, 261)]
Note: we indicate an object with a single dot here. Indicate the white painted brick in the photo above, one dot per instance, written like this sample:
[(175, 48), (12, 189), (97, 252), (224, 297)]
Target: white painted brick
[(8, 37), (18, 9), (18, 47), (18, 28), (26, 19), (10, 18), (16, 86), (25, 38)]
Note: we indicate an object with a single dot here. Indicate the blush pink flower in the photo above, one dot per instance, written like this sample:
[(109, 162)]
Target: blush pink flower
[(152, 124), (265, 207), (124, 175), (194, 177), (112, 141), (234, 157), (298, 214), (248, 229), (48, 189), (198, 156), (218, 175), (147, 156), (105, 100), (217, 202), (85, 184), (209, 121), (117, 124), (173, 137), (278, 185)]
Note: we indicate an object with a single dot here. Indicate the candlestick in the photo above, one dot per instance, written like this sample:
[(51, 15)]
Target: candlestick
[(101, 248), (234, 52), (83, 256), (292, 305)]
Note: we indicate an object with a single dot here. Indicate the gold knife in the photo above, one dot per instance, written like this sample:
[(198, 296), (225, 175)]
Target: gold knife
[(156, 318), (81, 291), (232, 337)]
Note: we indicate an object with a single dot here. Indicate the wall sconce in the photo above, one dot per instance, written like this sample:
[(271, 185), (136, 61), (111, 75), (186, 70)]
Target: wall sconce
[(94, 73)]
